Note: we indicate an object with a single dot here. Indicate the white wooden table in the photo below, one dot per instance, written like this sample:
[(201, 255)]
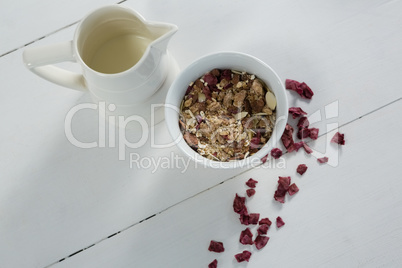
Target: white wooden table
[(62, 206)]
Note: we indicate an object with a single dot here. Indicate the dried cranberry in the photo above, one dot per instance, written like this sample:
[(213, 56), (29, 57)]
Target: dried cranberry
[(307, 148), (301, 169), (338, 138), (246, 237), (303, 133), (303, 123), (261, 241), (251, 183), (213, 264), (239, 203), (283, 186), (265, 221), (215, 246), (279, 222), (293, 189), (276, 153), (250, 192), (210, 79), (302, 89), (296, 112), (313, 133), (322, 160), (264, 159), (263, 229), (226, 74), (287, 138), (244, 256), (254, 217)]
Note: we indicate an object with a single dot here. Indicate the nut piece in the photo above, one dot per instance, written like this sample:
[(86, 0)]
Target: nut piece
[(271, 100)]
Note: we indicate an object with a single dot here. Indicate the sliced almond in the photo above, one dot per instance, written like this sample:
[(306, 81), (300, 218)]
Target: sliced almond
[(271, 100), (201, 97), (240, 116)]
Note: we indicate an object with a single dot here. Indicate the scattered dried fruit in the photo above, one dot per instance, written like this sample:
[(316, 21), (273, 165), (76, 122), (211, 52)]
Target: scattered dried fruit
[(283, 186), (322, 160), (244, 256), (239, 203), (246, 237), (301, 88), (215, 246), (254, 217), (293, 189), (303, 123), (306, 148), (338, 138), (301, 169), (296, 112), (265, 221), (287, 138), (250, 192), (213, 264), (313, 133), (251, 183), (279, 222), (261, 241), (276, 153), (263, 229), (264, 159)]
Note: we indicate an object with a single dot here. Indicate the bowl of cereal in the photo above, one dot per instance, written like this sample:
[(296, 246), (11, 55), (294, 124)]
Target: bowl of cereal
[(226, 110)]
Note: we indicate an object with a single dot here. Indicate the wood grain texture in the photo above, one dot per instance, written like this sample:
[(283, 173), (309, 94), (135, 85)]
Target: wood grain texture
[(343, 216)]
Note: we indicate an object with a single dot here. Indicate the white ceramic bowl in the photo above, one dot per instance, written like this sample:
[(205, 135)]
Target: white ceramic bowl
[(225, 60)]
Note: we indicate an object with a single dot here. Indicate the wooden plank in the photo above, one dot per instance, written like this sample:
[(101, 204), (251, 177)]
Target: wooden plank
[(24, 21), (343, 216)]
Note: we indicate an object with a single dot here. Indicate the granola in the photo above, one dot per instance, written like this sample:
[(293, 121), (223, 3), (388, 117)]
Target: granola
[(227, 115)]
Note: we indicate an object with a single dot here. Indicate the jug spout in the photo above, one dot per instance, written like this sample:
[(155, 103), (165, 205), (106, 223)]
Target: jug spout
[(161, 35)]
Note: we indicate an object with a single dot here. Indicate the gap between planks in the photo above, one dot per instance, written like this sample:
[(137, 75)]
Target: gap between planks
[(49, 34), (195, 195)]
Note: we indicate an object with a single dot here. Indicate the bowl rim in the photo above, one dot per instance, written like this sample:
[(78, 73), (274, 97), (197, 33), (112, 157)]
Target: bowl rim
[(172, 110)]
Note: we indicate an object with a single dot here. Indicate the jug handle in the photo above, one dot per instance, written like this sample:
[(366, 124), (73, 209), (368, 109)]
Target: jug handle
[(39, 60)]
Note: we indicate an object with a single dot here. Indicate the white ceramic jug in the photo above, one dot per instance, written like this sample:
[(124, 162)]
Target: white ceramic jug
[(123, 58)]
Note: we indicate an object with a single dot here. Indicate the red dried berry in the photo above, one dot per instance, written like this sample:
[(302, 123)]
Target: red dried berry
[(244, 256), (283, 186), (261, 241), (250, 192), (307, 148), (296, 112), (246, 237), (264, 159), (276, 153), (239, 203), (253, 218), (265, 221), (279, 222), (213, 264), (287, 138), (322, 160), (338, 138), (301, 169), (263, 229), (313, 133), (302, 89), (293, 189), (215, 246), (251, 183), (303, 123), (210, 79)]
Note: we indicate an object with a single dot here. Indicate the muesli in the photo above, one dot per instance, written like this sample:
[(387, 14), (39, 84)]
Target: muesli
[(227, 115)]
